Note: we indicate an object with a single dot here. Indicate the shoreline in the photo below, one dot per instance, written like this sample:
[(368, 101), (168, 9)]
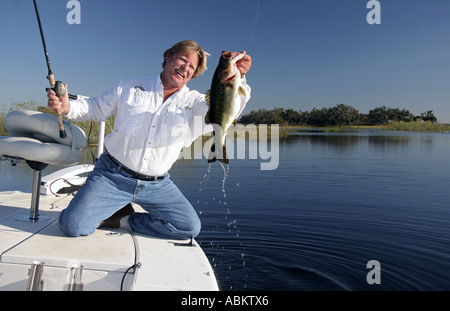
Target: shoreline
[(424, 127)]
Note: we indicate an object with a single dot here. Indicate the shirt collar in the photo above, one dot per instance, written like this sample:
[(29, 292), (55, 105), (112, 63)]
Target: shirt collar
[(159, 82), (160, 86)]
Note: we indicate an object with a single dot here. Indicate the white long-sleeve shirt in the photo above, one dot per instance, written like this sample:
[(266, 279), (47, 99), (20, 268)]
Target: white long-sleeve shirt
[(148, 133)]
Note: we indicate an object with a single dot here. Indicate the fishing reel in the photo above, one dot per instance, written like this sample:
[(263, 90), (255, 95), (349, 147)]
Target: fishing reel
[(58, 88)]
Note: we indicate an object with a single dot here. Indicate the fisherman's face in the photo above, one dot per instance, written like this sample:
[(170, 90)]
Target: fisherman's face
[(179, 69)]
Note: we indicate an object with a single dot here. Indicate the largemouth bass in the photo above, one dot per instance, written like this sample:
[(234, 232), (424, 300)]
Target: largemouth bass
[(223, 101)]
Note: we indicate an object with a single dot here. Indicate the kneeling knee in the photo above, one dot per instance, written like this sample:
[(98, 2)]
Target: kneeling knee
[(197, 226), (72, 228)]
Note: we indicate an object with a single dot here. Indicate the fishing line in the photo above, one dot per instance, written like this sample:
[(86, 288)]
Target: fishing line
[(254, 25)]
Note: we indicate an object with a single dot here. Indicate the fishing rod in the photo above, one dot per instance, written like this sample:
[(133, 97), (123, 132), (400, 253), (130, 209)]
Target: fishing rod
[(56, 86)]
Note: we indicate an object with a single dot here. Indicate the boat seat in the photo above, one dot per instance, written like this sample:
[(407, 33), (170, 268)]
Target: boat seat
[(34, 136)]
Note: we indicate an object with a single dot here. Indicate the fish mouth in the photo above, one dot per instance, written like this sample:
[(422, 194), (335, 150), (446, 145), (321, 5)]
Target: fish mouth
[(233, 58)]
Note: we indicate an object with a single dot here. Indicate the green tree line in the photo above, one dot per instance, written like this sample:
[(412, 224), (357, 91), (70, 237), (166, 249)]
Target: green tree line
[(339, 115)]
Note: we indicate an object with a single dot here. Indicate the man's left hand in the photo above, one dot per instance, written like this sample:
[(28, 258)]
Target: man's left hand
[(244, 64)]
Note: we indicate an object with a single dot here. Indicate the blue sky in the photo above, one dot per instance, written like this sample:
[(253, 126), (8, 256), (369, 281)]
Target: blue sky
[(306, 53)]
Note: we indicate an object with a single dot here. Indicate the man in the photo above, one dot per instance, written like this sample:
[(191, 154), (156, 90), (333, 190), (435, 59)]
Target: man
[(146, 141)]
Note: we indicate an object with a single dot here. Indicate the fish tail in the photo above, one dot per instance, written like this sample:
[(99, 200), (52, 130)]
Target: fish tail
[(212, 155)]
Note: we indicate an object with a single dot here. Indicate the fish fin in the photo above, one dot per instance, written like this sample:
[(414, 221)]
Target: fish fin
[(225, 158), (212, 152), (241, 91), (212, 155), (208, 97)]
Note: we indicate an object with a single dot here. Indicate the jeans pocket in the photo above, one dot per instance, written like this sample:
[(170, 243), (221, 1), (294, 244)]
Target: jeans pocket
[(105, 162)]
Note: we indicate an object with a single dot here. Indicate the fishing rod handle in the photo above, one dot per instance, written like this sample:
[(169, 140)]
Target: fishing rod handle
[(60, 90), (62, 131)]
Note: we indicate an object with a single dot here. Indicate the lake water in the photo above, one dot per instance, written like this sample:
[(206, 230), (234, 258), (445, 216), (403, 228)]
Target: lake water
[(335, 202)]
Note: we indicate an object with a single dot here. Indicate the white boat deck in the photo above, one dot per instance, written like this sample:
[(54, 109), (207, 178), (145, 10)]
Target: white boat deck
[(107, 256)]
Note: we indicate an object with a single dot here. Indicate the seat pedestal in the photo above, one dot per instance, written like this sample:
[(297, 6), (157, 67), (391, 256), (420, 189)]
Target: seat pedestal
[(34, 209)]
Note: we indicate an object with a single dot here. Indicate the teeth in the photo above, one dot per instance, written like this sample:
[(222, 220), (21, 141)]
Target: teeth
[(180, 72)]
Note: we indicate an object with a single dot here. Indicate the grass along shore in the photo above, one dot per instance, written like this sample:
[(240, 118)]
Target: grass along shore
[(418, 126)]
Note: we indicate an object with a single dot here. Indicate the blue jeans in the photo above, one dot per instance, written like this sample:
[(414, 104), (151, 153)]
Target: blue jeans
[(108, 189)]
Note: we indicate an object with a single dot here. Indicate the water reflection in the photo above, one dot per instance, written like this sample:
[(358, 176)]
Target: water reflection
[(347, 142)]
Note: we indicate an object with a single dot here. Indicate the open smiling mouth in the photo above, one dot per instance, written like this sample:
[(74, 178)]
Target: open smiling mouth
[(180, 73)]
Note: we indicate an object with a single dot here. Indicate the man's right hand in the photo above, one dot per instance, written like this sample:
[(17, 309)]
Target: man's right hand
[(59, 103)]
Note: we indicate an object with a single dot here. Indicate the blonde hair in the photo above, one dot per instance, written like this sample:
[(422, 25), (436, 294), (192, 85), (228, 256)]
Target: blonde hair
[(189, 47)]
